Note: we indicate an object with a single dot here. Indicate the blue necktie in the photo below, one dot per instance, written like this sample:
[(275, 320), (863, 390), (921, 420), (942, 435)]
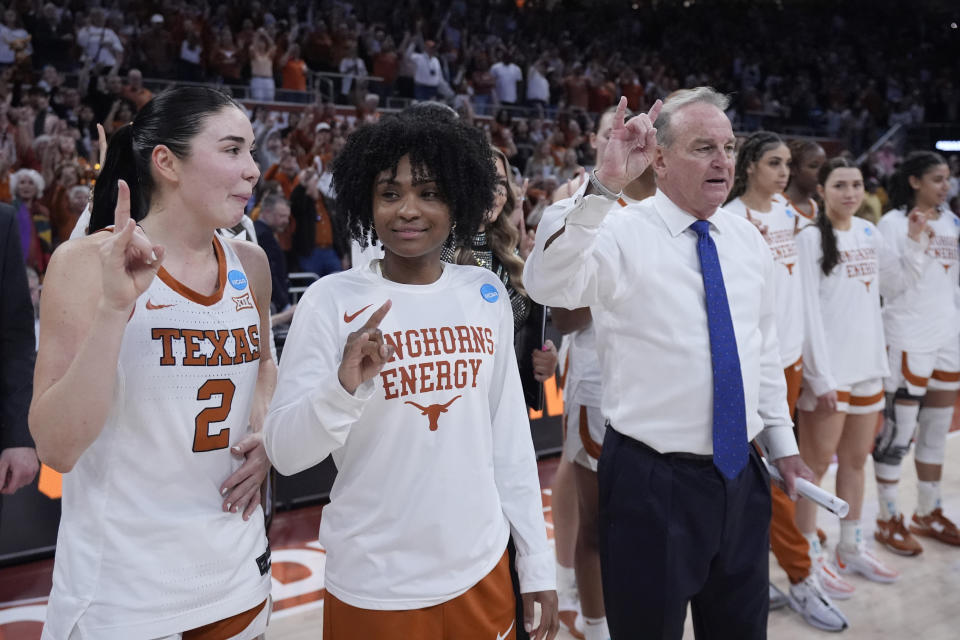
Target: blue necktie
[(729, 412)]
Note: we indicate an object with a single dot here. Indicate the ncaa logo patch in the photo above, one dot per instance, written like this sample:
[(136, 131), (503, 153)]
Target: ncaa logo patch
[(789, 212), (237, 279), (868, 231), (489, 293), (956, 222)]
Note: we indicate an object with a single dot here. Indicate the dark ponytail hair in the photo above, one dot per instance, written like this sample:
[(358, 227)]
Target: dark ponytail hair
[(914, 165), (173, 119), (828, 241), (750, 152)]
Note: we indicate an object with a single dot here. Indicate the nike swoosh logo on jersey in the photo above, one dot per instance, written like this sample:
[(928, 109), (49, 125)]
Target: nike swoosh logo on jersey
[(505, 634), (153, 307), (350, 317)]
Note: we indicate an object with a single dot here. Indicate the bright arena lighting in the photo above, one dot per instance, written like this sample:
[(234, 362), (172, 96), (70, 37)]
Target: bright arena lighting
[(948, 145)]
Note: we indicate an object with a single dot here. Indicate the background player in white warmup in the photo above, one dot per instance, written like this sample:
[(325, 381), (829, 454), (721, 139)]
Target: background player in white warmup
[(404, 369), (844, 270), (151, 387), (761, 174), (921, 326), (585, 426)]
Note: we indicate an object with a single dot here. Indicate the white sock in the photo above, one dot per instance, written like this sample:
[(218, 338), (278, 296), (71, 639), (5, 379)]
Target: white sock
[(815, 549), (851, 535), (887, 495), (928, 497), (596, 629), (566, 587)]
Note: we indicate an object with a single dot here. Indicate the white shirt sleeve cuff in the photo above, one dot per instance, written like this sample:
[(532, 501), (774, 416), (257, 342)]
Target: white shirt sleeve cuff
[(589, 211), (336, 405), (779, 442), (537, 572)]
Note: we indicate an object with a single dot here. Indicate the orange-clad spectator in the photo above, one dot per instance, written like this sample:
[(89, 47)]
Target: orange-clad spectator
[(575, 85), (386, 64), (134, 91), (321, 148), (318, 48), (57, 201), (601, 91), (284, 172), (558, 146), (226, 59), (632, 88), (301, 138), (293, 70)]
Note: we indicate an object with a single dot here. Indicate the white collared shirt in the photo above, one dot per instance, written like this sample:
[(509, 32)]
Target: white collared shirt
[(640, 274)]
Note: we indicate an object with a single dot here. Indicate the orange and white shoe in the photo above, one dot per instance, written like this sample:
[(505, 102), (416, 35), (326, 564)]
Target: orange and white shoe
[(863, 561), (894, 536), (572, 621), (831, 581), (936, 525)]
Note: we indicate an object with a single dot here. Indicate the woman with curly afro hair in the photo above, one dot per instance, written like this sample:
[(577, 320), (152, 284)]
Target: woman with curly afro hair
[(403, 369)]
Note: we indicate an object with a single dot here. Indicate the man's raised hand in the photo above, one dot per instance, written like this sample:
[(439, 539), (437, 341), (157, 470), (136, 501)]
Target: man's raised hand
[(631, 147)]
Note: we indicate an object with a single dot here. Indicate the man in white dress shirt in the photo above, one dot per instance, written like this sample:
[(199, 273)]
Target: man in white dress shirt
[(679, 289)]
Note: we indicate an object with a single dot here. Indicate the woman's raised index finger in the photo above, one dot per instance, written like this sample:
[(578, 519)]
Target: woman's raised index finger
[(121, 212), (377, 316)]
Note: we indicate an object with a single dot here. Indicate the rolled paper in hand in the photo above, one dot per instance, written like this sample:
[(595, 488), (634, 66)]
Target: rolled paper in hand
[(812, 492)]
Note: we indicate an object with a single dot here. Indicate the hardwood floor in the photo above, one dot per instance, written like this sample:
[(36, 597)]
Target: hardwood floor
[(920, 605)]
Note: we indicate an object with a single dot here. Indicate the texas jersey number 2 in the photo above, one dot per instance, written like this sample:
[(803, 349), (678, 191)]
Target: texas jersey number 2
[(203, 440)]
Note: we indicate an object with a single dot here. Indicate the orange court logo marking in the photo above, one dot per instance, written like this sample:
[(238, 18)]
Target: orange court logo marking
[(243, 301), (154, 307), (433, 411), (350, 317)]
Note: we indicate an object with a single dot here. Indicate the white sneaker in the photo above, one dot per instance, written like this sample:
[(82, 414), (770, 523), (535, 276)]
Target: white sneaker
[(863, 561), (808, 599), (778, 598), (830, 580)]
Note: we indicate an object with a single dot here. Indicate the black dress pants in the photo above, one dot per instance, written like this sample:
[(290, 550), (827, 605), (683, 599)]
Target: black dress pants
[(673, 531)]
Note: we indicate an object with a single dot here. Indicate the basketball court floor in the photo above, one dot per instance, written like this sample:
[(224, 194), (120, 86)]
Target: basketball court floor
[(923, 604)]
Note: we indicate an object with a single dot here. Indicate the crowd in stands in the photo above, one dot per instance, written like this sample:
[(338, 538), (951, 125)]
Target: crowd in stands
[(535, 75)]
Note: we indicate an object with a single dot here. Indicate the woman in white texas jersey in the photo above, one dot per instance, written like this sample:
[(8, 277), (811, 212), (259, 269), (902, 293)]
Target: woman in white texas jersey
[(921, 325), (845, 268), (403, 368), (151, 387), (761, 174)]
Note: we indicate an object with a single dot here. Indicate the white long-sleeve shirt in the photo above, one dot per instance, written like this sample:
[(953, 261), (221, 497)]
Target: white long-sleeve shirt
[(922, 315), (640, 274), (781, 223), (434, 455), (843, 342)]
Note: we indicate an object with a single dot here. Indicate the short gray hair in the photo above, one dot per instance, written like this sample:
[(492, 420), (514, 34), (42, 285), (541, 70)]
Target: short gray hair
[(680, 99), (79, 188), (271, 201), (32, 175)]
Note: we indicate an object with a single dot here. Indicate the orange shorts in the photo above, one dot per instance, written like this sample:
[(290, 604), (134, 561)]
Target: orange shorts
[(487, 610)]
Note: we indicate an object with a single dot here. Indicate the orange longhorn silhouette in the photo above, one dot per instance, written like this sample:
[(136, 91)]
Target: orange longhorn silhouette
[(433, 411)]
